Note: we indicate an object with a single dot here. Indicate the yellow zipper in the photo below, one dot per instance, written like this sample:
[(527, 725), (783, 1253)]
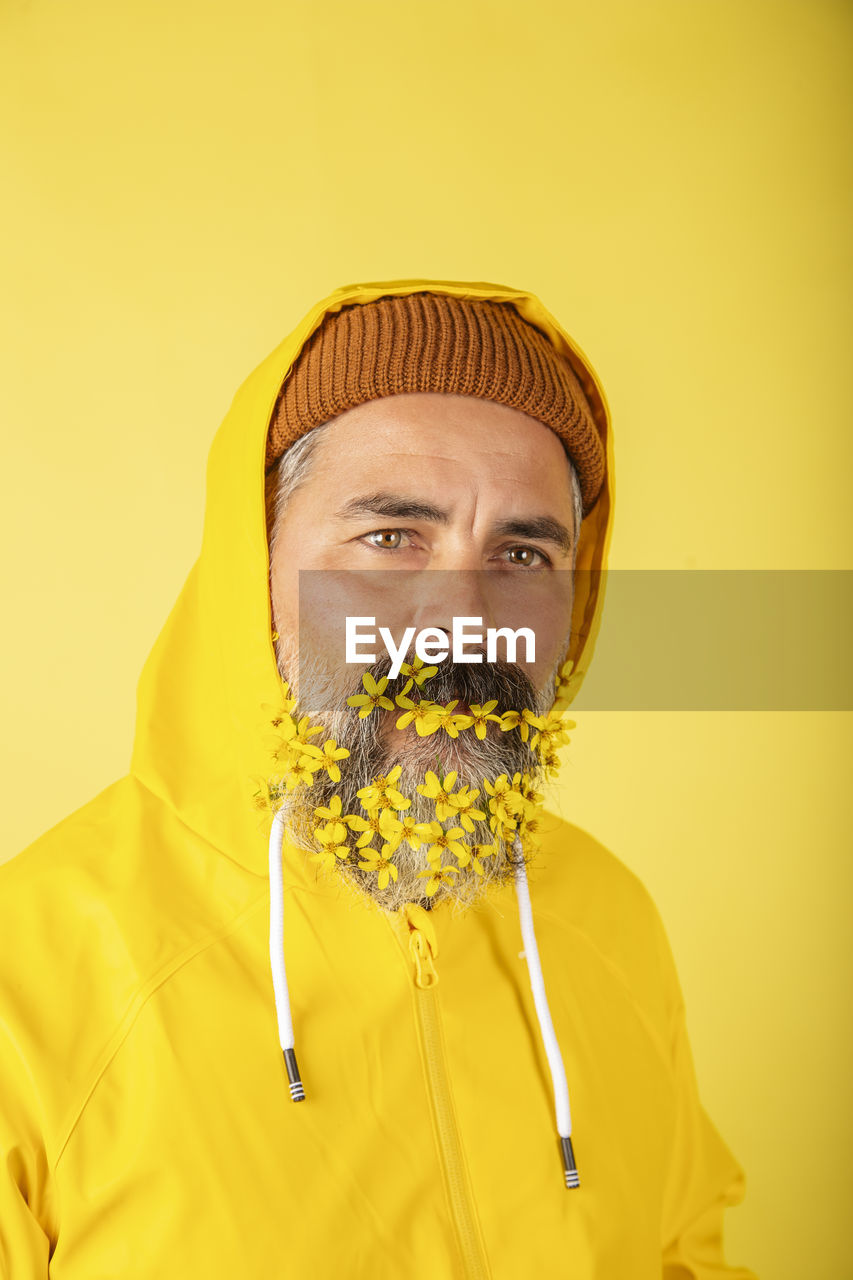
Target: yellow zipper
[(423, 948)]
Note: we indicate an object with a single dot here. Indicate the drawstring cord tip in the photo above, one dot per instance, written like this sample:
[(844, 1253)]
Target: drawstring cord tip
[(297, 1092), (569, 1167)]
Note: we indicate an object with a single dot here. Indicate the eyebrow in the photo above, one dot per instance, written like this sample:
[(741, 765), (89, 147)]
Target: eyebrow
[(398, 507), (394, 507), (539, 528)]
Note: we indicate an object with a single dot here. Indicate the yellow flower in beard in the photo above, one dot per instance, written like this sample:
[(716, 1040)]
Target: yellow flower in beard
[(373, 698), (268, 796), (424, 715), (332, 840), (332, 811), (380, 863), (436, 876), (481, 715), (382, 792), (382, 823), (440, 793), (480, 851), (466, 813), (301, 772), (554, 733), (528, 829), (417, 671), (414, 833), (505, 795), (450, 723), (276, 715), (441, 842), (331, 754), (521, 720), (293, 741)]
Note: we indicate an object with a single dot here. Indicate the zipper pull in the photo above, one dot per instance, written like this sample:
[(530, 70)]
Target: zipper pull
[(423, 944)]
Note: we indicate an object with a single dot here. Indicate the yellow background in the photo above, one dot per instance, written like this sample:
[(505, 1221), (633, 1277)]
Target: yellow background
[(183, 178)]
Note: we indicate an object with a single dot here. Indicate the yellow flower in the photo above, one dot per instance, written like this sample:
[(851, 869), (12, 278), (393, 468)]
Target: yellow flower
[(382, 823), (326, 859), (452, 723), (292, 741), (332, 813), (267, 796), (275, 715), (506, 803), (553, 733), (563, 692), (301, 772), (551, 764), (480, 851), (440, 793), (382, 792), (437, 876), (532, 797), (445, 841), (424, 715), (414, 833), (528, 829), (418, 672), (521, 720), (332, 840), (383, 865), (481, 715), (465, 810), (505, 794), (331, 754), (367, 702), (369, 826)]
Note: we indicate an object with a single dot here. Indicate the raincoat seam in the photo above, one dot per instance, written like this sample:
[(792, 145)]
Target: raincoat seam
[(134, 1009), (167, 804), (643, 1017)]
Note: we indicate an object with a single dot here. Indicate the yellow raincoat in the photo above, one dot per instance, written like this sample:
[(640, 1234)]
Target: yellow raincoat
[(146, 1126)]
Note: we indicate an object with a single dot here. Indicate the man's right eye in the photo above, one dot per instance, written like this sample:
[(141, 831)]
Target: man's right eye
[(385, 539)]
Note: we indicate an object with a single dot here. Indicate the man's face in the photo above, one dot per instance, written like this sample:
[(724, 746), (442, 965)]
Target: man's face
[(416, 483)]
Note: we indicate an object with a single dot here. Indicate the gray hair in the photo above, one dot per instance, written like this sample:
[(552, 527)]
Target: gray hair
[(293, 467)]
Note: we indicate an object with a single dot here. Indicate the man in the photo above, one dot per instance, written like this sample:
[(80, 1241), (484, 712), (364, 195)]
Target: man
[(415, 454)]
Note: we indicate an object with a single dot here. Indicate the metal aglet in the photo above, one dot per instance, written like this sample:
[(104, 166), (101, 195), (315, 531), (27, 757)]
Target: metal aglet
[(297, 1092), (569, 1167)]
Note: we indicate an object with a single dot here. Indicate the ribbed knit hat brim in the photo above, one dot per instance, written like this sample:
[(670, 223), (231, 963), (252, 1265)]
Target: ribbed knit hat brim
[(440, 343)]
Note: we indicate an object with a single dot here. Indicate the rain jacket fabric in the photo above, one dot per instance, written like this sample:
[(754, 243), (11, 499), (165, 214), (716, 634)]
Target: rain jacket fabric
[(146, 1126)]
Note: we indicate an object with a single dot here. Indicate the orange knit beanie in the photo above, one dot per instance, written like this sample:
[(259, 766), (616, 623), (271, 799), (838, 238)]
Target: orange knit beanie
[(436, 342)]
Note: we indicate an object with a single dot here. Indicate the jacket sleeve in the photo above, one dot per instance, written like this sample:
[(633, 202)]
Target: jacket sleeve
[(25, 1209), (704, 1178)]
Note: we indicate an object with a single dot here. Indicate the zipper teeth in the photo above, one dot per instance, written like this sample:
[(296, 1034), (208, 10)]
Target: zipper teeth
[(476, 1267)]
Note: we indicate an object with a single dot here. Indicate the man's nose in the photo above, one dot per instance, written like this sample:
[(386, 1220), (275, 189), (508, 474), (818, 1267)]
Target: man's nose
[(445, 594)]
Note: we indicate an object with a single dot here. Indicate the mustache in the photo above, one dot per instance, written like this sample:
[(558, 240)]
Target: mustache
[(504, 682)]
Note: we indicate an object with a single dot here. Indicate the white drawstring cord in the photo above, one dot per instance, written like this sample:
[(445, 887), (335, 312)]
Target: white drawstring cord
[(279, 976), (546, 1026), (534, 968)]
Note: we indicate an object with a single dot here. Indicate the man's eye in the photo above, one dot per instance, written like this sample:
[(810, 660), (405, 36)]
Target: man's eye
[(526, 557), (386, 539)]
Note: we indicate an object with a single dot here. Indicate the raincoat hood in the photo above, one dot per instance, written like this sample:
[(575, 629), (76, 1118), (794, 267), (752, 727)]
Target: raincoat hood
[(200, 742)]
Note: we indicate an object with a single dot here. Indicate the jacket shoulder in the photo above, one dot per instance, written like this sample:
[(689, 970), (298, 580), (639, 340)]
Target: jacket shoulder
[(579, 884), (93, 915)]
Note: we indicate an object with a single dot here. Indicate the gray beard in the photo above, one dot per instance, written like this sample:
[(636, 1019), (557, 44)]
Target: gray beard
[(320, 697)]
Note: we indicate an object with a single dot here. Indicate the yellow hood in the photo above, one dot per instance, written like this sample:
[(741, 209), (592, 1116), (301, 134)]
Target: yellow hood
[(200, 733)]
